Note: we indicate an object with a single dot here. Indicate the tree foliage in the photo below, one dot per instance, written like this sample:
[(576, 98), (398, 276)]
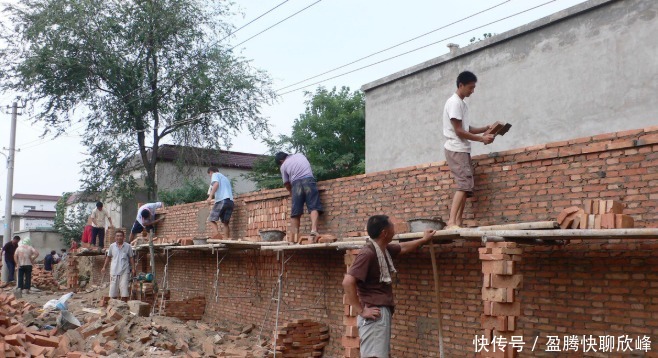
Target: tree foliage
[(133, 73), (485, 36), (330, 133), (190, 192), (70, 225)]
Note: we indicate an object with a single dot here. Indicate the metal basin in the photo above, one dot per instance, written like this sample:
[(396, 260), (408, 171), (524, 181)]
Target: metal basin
[(422, 224), (200, 241), (272, 235)]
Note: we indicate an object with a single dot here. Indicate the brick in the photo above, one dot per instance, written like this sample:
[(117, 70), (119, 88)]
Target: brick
[(487, 280), (588, 206), (565, 213), (15, 339), (623, 221), (568, 220), (46, 341), (352, 331), (498, 323), (614, 207), (352, 353), (602, 207), (608, 221), (502, 308), (507, 281), (498, 267), (501, 245), (506, 251), (583, 224), (498, 294)]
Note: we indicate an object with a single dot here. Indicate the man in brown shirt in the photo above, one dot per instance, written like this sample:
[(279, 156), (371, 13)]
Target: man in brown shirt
[(368, 284)]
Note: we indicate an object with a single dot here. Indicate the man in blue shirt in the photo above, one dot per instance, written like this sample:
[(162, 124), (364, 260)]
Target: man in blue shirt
[(221, 196), (49, 261)]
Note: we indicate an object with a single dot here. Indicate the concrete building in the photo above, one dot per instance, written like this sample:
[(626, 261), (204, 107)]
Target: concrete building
[(22, 203), (32, 211), (43, 240), (587, 70)]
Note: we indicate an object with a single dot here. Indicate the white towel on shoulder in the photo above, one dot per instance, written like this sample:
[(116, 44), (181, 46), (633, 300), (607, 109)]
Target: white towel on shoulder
[(385, 263)]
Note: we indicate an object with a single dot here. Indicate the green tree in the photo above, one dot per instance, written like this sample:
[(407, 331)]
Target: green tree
[(190, 192), (331, 133), (133, 73), (70, 225)]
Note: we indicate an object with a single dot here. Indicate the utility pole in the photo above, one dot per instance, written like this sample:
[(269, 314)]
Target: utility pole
[(10, 182)]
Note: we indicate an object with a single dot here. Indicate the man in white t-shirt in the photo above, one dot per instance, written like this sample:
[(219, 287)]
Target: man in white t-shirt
[(98, 217), (122, 266), (459, 134), (145, 219)]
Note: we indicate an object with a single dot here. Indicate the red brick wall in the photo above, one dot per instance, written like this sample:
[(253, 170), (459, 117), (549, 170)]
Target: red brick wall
[(593, 288)]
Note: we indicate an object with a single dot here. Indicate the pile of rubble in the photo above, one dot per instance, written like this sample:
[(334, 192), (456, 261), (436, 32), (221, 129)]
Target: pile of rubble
[(118, 330), (19, 340)]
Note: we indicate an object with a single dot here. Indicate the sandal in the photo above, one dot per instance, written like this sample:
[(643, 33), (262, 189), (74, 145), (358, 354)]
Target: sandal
[(314, 236)]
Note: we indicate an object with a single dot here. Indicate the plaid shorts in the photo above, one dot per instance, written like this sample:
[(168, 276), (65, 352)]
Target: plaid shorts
[(221, 211)]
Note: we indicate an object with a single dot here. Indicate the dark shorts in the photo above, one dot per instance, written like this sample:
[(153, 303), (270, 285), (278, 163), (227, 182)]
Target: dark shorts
[(305, 190), (461, 167), (100, 233), (221, 211), (138, 228)]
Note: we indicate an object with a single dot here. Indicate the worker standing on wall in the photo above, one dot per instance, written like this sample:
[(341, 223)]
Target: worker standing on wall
[(459, 134), (221, 196), (368, 284), (98, 217), (298, 179)]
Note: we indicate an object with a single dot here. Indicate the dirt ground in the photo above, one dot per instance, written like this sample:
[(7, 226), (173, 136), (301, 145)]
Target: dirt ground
[(134, 336)]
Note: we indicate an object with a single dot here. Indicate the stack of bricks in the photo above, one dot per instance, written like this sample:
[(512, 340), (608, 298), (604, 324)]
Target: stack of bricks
[(301, 338), (44, 280), (499, 289), (72, 273), (189, 309), (595, 214), (109, 236), (350, 340)]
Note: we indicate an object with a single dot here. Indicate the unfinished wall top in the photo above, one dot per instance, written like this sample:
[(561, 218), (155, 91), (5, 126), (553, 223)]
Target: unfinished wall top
[(584, 71)]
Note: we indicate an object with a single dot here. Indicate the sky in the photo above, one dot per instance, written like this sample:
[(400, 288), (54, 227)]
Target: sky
[(328, 34)]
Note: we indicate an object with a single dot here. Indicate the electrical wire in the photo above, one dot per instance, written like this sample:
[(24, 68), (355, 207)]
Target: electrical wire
[(276, 24), (414, 50), (252, 21), (394, 46)]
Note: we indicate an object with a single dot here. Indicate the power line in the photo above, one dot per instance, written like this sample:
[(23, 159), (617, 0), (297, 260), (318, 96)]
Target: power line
[(394, 46), (275, 24), (416, 49), (250, 22)]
